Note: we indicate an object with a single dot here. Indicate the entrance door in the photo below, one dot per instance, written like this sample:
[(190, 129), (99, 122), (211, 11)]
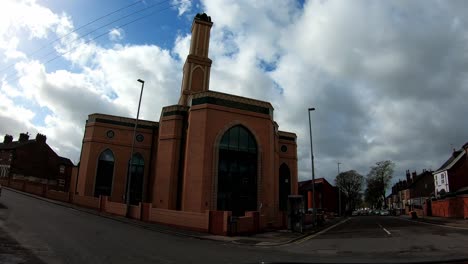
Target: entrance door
[(136, 186), (284, 186), (237, 172), (104, 174)]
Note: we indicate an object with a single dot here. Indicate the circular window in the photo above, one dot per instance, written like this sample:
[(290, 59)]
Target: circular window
[(140, 138), (110, 134), (284, 148)]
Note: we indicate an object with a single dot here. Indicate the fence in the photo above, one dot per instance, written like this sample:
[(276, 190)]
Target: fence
[(451, 207), (216, 222)]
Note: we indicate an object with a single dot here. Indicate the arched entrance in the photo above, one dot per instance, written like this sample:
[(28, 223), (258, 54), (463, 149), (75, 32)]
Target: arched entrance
[(284, 186), (136, 186), (104, 174), (237, 172)]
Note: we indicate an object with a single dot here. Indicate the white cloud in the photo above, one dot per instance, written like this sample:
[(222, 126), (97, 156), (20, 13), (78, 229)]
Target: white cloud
[(116, 34), (182, 5), (387, 78)]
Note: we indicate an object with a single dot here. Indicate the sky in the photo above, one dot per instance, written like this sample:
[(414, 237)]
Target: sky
[(388, 79)]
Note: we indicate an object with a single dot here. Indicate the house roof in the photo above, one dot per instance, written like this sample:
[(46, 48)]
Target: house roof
[(15, 144), (308, 184), (456, 156), (420, 177), (66, 161)]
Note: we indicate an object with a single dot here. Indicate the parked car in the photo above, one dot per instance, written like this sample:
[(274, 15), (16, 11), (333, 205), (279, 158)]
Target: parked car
[(384, 212), (355, 213)]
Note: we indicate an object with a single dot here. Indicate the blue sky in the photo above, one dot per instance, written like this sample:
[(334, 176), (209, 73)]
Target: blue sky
[(388, 78)]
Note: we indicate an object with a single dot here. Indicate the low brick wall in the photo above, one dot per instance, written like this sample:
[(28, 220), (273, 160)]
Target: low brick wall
[(464, 205), (219, 222), (135, 211), (245, 225), (188, 220), (18, 185), (87, 201), (419, 212), (115, 208), (57, 195), (4, 181), (35, 188), (456, 207)]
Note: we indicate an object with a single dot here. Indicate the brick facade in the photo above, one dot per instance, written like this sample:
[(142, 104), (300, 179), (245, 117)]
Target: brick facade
[(182, 153), (35, 161)]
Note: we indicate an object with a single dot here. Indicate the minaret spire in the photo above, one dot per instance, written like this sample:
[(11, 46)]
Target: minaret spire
[(197, 66)]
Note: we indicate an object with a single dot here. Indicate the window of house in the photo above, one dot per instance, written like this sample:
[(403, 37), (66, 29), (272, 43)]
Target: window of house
[(442, 180), (62, 168)]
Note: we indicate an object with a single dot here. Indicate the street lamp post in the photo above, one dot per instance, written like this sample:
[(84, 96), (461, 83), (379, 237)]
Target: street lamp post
[(339, 192), (314, 211), (129, 176)]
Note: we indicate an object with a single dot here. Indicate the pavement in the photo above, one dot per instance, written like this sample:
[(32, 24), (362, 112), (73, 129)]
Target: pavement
[(270, 238), (443, 221), (51, 233)]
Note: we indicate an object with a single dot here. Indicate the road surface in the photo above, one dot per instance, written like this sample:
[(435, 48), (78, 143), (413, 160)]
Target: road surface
[(47, 232)]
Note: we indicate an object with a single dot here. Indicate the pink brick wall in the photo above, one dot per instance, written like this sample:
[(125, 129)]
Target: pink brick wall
[(37, 189), (86, 201), (451, 207), (245, 225), (115, 208), (135, 211), (19, 185), (190, 220), (57, 195)]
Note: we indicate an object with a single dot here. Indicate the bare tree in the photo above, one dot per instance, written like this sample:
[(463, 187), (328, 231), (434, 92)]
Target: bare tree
[(350, 184), (378, 180)]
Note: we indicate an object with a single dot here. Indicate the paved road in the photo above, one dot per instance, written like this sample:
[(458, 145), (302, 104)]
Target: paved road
[(57, 234), (388, 238)]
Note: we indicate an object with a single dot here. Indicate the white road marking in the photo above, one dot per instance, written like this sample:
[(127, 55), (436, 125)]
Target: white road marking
[(321, 232), (388, 232)]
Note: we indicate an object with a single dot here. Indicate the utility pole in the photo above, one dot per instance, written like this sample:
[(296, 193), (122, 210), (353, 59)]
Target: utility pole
[(339, 192), (129, 174), (314, 210)]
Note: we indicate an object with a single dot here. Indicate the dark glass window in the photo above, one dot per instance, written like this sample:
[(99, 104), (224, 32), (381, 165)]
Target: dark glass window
[(110, 134), (136, 186), (237, 171), (104, 174), (140, 138), (284, 186), (284, 148)]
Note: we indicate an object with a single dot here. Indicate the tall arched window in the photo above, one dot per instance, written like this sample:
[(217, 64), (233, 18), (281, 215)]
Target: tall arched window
[(237, 171), (284, 186), (137, 170), (104, 174)]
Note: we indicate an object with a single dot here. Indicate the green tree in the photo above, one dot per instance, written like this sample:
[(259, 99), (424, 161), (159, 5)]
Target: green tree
[(378, 179), (350, 184)]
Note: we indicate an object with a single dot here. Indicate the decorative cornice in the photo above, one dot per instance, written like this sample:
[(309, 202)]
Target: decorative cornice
[(232, 101)]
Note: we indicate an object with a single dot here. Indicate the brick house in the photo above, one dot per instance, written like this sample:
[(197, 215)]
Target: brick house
[(401, 193), (326, 195), (33, 160), (453, 174), (421, 189)]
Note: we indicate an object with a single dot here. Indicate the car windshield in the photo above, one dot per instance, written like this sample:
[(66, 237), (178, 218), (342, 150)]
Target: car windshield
[(221, 131)]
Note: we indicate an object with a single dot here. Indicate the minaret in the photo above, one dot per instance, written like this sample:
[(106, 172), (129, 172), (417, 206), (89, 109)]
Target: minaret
[(197, 66)]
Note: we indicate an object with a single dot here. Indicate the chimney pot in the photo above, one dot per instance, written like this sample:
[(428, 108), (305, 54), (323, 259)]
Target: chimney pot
[(23, 137), (40, 138), (8, 139)]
